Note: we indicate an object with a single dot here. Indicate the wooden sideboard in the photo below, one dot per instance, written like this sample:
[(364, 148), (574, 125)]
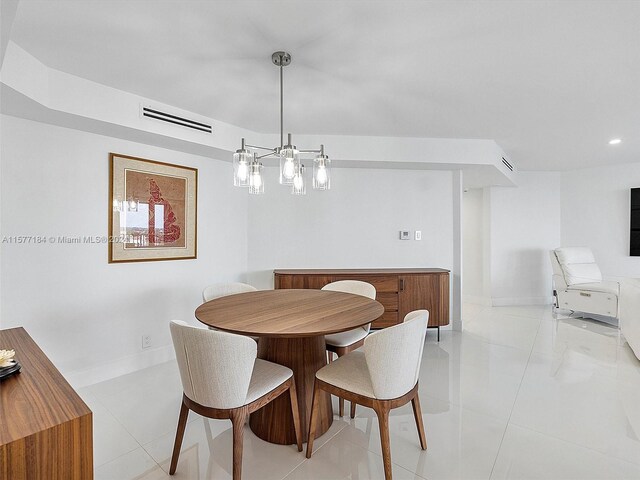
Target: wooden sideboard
[(399, 290), (45, 428)]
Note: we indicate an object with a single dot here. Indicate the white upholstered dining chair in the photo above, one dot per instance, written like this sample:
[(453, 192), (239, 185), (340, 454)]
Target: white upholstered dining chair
[(218, 290), (223, 379), (382, 375), (345, 342)]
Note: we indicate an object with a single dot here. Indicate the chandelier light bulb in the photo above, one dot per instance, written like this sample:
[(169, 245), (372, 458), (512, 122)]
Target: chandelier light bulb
[(243, 171), (256, 181), (298, 187), (288, 169), (322, 171), (289, 162), (256, 185)]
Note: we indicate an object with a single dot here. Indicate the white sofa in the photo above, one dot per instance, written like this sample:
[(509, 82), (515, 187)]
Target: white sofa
[(578, 284)]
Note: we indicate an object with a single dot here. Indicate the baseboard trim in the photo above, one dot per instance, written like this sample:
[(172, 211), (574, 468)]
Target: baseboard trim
[(477, 300), (520, 301), (121, 366)]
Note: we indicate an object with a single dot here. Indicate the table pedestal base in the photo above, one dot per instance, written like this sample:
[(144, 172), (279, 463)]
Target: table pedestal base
[(305, 356)]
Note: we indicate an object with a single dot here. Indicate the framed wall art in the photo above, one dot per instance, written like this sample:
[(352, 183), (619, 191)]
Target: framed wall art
[(152, 210)]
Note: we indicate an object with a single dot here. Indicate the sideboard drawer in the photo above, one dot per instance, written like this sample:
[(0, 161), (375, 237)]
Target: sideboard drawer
[(386, 284)]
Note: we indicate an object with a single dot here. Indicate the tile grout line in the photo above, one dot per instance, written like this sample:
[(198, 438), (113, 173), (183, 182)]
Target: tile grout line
[(379, 454), (515, 400), (97, 399), (304, 449), (564, 440), (140, 445)]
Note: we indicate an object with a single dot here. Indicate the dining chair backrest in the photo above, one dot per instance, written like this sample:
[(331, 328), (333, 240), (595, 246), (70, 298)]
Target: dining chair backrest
[(394, 355), (356, 287), (215, 367), (218, 290)]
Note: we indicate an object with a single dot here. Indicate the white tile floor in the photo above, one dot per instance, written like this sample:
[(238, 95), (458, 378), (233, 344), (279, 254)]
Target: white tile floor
[(518, 394)]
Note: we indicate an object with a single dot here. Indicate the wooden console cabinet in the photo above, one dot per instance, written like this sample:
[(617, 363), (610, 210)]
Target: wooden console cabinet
[(45, 428), (400, 290)]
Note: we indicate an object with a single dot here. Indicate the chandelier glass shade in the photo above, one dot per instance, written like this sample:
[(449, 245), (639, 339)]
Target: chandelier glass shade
[(322, 171), (256, 184), (247, 168), (241, 165)]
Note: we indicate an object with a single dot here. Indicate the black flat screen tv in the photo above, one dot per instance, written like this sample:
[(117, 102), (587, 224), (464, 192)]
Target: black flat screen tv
[(634, 223)]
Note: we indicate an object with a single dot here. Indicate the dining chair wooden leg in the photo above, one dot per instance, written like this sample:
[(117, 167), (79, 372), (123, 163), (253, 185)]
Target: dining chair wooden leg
[(315, 411), (382, 411), (417, 413), (340, 399), (238, 416), (182, 424), (353, 409), (295, 412)]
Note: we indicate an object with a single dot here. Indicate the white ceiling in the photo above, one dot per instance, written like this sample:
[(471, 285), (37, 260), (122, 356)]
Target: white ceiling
[(551, 82)]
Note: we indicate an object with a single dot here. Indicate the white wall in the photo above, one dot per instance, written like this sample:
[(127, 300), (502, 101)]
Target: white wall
[(595, 213), (88, 315), (524, 226), (355, 224), (473, 246)]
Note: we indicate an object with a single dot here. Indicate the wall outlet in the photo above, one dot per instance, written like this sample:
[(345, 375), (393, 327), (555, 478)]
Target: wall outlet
[(146, 341), (418, 235)]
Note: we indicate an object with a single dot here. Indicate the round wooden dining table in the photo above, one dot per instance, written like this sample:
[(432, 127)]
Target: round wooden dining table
[(291, 325)]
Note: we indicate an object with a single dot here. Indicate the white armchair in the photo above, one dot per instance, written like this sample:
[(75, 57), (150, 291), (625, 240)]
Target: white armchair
[(630, 313), (578, 284)]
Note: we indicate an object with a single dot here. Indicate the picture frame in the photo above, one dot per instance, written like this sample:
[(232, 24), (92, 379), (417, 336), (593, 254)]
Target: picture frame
[(152, 210)]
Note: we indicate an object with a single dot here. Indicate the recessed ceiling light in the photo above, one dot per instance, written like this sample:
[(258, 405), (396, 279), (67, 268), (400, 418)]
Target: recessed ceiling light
[(615, 141)]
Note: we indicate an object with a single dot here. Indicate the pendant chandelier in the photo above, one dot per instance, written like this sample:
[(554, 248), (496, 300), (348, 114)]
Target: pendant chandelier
[(247, 168)]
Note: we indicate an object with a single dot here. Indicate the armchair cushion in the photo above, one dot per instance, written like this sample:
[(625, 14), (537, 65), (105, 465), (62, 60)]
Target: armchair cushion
[(567, 255), (578, 265)]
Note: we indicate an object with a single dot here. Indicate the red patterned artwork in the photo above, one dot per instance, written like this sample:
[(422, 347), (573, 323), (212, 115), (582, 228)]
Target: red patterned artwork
[(171, 232), (157, 219)]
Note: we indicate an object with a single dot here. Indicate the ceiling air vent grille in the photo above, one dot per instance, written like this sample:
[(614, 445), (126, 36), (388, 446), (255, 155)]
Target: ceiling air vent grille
[(507, 164), (175, 119)]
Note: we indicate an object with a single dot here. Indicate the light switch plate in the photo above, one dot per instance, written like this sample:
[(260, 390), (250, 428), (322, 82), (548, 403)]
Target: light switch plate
[(405, 235), (418, 235)]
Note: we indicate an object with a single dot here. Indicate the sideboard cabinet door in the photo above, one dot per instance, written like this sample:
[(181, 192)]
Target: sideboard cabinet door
[(428, 292)]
